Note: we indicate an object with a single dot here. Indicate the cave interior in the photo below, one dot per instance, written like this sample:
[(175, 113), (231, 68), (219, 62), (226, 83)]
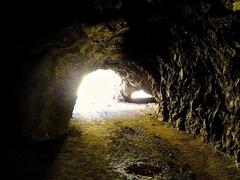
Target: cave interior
[(186, 55)]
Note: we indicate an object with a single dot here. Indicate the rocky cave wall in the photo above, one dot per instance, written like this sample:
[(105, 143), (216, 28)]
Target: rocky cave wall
[(187, 52), (134, 78), (51, 93), (192, 52)]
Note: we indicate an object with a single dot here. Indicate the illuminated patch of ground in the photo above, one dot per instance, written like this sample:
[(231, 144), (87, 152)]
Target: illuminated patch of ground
[(138, 147), (114, 110)]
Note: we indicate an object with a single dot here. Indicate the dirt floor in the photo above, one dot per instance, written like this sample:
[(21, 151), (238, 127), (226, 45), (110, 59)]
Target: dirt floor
[(136, 147)]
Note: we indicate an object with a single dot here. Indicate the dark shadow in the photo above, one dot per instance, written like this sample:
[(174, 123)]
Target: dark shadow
[(26, 160), (141, 100)]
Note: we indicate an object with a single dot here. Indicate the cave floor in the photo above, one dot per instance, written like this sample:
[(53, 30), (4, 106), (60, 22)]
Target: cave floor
[(139, 147)]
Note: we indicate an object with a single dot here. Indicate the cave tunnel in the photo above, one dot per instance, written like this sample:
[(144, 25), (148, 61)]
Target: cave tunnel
[(103, 89)]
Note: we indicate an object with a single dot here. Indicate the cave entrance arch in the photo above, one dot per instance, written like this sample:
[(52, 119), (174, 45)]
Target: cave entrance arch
[(97, 91), (101, 96)]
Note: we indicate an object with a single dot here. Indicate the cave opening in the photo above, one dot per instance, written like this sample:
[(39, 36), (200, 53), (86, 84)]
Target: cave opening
[(97, 90), (103, 94), (140, 94)]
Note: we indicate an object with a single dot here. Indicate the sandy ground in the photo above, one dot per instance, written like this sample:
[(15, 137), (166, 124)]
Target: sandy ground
[(113, 110), (133, 144), (118, 144)]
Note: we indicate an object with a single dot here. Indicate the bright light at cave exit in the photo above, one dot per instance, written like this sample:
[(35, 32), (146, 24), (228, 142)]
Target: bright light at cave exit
[(97, 89), (140, 94)]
